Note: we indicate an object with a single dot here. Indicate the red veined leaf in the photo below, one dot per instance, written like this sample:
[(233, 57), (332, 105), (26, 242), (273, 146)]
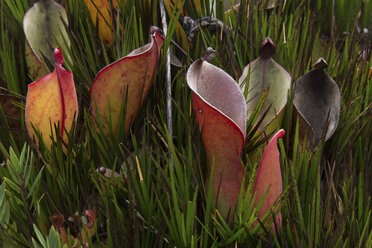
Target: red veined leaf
[(131, 75), (221, 113), (51, 101), (269, 177)]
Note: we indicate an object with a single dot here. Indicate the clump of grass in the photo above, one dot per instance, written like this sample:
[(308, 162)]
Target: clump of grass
[(327, 196)]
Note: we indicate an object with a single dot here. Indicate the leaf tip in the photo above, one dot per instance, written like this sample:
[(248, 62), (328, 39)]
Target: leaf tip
[(154, 30), (209, 54), (92, 216), (102, 170), (58, 57), (320, 64), (158, 35), (267, 48), (57, 220), (280, 133)]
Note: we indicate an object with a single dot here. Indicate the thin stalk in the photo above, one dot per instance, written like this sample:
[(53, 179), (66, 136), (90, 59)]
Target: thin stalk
[(333, 18), (169, 81)]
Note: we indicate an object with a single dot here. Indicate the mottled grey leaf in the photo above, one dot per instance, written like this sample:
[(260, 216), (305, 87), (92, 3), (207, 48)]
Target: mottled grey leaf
[(316, 99), (42, 25)]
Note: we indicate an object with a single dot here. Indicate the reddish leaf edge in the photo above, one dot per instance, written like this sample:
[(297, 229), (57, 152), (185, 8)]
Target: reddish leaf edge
[(154, 33), (273, 142), (194, 91), (230, 121), (58, 57)]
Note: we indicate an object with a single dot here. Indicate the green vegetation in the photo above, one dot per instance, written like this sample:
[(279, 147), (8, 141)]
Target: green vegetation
[(153, 202)]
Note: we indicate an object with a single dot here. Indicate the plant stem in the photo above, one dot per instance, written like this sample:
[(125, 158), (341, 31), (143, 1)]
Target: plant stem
[(169, 80)]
